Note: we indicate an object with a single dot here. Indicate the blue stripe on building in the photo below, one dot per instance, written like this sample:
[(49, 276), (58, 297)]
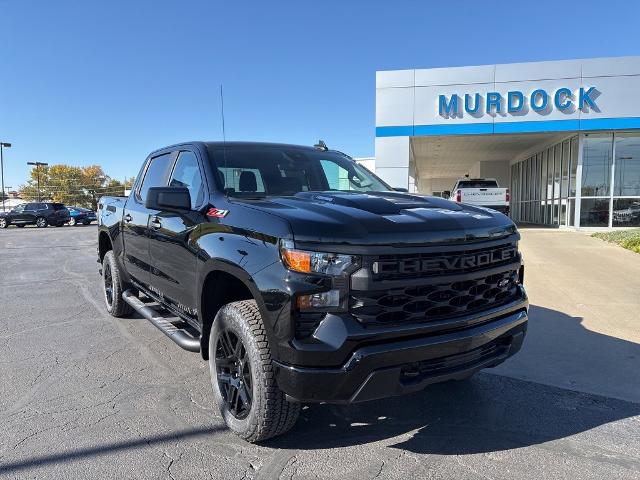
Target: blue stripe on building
[(510, 127)]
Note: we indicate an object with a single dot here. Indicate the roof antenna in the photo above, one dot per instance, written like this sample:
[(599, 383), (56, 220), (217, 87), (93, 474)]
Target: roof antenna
[(224, 143), (321, 146)]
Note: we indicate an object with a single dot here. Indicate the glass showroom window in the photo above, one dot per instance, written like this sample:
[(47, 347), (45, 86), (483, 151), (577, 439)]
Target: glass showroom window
[(597, 157), (542, 190), (572, 180), (626, 210), (556, 182), (550, 168), (564, 182)]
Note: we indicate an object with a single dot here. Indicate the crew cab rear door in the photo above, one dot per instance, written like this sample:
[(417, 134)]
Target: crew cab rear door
[(135, 218), (171, 238)]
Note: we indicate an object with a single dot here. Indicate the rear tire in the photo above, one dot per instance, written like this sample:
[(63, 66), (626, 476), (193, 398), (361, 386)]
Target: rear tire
[(242, 375), (113, 287), (73, 222), (41, 222)]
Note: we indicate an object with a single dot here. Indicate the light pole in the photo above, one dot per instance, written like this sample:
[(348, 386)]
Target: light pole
[(7, 145), (38, 165)]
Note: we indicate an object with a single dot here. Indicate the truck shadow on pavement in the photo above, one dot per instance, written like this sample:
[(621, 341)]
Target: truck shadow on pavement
[(484, 414), (488, 412)]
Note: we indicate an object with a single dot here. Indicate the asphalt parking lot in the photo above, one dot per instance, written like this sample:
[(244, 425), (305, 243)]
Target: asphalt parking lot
[(84, 395)]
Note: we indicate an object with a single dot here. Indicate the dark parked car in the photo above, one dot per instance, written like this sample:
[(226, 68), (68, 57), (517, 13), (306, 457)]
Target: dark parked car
[(81, 215), (302, 277), (39, 214)]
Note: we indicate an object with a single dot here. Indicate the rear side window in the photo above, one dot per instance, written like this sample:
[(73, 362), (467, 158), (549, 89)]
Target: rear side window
[(478, 184), (156, 175), (31, 206), (187, 174)]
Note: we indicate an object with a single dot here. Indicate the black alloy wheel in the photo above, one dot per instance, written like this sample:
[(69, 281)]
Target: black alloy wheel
[(234, 374), (108, 284)]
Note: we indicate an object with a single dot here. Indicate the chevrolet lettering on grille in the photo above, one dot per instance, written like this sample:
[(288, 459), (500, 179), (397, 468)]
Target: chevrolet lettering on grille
[(445, 262)]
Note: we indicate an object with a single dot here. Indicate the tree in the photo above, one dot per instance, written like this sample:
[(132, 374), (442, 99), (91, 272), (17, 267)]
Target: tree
[(73, 186)]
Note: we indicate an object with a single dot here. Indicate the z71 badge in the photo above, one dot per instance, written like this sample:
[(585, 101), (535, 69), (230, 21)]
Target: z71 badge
[(217, 213)]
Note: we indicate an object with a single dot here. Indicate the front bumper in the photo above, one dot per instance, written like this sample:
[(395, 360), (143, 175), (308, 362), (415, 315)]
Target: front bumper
[(401, 366)]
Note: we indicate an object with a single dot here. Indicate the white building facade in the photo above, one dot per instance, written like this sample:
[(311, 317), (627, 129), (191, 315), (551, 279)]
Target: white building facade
[(564, 136)]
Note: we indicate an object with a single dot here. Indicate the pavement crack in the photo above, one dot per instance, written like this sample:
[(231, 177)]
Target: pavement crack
[(380, 470)]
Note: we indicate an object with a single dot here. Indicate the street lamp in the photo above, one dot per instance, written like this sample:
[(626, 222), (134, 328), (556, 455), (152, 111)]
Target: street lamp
[(7, 145), (38, 165)]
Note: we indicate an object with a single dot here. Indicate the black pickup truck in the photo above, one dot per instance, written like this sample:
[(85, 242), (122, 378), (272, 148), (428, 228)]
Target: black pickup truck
[(302, 277)]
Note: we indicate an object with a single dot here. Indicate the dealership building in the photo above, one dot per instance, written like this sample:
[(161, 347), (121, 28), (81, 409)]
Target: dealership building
[(564, 136)]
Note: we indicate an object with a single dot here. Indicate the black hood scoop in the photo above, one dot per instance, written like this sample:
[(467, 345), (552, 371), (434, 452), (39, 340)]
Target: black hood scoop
[(378, 203)]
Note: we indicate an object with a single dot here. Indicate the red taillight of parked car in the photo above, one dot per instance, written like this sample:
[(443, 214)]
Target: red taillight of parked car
[(458, 196)]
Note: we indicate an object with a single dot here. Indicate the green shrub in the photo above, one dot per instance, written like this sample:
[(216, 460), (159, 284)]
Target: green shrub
[(629, 239), (631, 244)]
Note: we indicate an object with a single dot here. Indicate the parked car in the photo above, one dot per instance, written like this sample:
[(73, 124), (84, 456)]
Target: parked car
[(482, 192), (629, 215), (302, 277), (81, 215), (39, 214)]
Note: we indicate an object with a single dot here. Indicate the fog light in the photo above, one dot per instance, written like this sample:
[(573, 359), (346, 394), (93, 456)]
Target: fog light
[(321, 301)]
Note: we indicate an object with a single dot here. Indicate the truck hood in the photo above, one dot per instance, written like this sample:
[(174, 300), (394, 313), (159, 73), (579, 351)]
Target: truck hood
[(384, 218)]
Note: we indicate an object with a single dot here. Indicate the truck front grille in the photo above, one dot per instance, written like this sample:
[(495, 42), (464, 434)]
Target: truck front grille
[(434, 301), (430, 264)]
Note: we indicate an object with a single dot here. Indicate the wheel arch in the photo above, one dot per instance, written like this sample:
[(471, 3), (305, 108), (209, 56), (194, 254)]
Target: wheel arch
[(221, 283), (104, 244)]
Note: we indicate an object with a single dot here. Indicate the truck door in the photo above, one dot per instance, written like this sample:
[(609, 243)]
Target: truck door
[(135, 218), (173, 253)]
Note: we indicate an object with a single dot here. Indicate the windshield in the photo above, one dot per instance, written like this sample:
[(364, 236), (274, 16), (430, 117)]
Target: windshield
[(254, 171)]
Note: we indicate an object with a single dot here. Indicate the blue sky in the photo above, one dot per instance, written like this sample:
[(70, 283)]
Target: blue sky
[(88, 82)]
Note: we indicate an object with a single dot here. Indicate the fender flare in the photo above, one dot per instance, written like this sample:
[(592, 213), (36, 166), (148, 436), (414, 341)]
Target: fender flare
[(222, 265)]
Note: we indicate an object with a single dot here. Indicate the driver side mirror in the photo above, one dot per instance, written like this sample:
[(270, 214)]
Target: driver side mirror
[(168, 199)]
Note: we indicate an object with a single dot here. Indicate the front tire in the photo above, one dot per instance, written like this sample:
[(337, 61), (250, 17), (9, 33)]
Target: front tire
[(4, 223), (242, 375), (112, 287), (41, 222)]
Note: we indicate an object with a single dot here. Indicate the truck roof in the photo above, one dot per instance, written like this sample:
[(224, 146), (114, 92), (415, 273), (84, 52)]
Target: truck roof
[(236, 144)]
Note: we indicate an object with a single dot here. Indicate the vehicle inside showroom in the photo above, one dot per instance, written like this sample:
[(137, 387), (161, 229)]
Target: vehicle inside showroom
[(563, 136)]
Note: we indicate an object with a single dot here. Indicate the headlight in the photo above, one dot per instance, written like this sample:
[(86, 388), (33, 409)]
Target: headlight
[(315, 262)]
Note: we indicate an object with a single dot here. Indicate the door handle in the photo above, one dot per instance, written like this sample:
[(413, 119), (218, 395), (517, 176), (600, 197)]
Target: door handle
[(155, 223), (127, 218)]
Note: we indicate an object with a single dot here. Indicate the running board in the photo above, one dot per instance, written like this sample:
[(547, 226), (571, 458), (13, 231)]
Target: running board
[(165, 325)]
